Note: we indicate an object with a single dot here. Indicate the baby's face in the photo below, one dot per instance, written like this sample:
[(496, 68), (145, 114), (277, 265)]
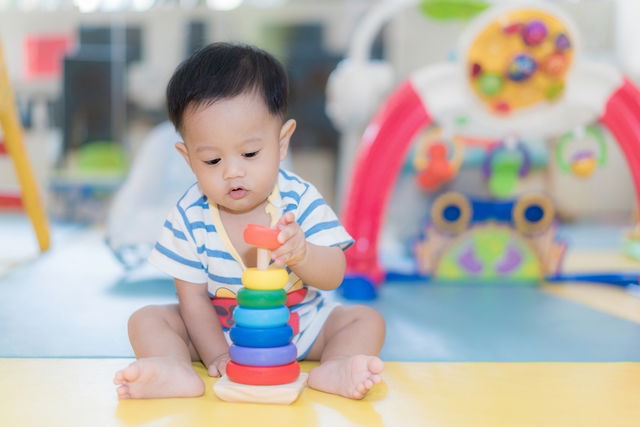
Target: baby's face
[(234, 147)]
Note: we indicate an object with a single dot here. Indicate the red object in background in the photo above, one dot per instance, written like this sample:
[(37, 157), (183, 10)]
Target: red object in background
[(438, 170), (383, 150), (11, 202), (44, 55)]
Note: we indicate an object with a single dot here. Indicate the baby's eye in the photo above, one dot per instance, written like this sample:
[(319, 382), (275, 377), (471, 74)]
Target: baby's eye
[(212, 162), (252, 154)]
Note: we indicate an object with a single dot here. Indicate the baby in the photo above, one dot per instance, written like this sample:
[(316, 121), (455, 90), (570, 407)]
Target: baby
[(228, 102)]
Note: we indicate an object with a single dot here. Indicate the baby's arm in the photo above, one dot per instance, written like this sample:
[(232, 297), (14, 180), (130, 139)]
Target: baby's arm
[(202, 323), (319, 266)]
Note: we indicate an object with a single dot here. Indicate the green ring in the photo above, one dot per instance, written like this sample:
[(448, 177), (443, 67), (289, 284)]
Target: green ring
[(594, 132), (261, 299)]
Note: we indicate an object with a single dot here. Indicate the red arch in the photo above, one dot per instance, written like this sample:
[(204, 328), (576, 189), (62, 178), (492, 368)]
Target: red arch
[(382, 152), (622, 118)]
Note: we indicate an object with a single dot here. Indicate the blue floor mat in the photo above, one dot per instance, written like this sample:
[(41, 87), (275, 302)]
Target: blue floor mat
[(74, 301), (427, 322)]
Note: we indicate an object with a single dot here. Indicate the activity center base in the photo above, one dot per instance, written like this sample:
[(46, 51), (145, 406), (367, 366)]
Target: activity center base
[(283, 394)]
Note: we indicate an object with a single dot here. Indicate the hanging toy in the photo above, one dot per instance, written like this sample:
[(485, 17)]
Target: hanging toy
[(504, 165), (584, 161), (432, 161)]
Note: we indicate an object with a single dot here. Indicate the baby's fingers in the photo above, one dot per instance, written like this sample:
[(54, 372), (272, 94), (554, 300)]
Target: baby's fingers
[(213, 370), (281, 255), (286, 233), (286, 219), (219, 366)]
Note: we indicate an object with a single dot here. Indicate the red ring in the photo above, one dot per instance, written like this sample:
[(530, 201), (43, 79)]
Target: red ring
[(262, 237), (263, 375)]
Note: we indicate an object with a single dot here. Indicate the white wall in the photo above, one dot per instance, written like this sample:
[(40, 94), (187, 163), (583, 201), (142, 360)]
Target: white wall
[(164, 33)]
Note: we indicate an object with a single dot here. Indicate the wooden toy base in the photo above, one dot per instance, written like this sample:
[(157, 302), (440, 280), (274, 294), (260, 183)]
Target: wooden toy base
[(284, 394)]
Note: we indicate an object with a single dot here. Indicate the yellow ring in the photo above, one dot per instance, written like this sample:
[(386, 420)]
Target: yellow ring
[(265, 280)]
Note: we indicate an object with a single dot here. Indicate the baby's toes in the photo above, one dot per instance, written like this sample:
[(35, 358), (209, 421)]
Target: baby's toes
[(375, 365), (376, 378), (131, 373), (123, 392), (118, 378)]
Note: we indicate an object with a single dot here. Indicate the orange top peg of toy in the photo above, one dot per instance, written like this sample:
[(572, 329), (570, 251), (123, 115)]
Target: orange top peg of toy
[(265, 239)]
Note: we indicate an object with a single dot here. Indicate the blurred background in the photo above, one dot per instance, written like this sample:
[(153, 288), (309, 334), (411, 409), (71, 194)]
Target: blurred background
[(88, 71), (89, 80)]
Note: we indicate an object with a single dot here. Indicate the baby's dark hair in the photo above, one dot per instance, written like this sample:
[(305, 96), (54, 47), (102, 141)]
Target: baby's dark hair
[(225, 70)]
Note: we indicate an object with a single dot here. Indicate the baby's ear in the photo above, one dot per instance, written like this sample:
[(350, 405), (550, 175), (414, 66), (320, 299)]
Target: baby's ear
[(286, 131), (182, 149)]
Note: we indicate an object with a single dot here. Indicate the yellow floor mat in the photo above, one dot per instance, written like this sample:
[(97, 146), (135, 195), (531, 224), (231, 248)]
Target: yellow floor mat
[(578, 261), (612, 300), (79, 392)]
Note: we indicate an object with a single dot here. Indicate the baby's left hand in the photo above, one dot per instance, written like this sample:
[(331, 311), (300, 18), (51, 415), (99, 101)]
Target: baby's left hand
[(294, 244)]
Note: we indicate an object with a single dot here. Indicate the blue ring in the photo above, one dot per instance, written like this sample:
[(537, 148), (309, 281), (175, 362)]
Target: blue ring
[(261, 337), (273, 356), (261, 317)]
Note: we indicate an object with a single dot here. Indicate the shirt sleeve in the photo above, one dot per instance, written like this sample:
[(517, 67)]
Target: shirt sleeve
[(175, 252), (319, 222)]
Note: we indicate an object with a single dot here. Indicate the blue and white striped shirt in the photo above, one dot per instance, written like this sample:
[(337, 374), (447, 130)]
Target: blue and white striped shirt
[(190, 246)]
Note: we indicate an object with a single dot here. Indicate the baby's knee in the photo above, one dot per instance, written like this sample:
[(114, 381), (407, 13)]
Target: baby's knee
[(374, 317), (145, 315), (367, 314)]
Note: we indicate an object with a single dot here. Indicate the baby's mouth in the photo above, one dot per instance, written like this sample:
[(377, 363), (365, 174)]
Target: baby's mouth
[(238, 193)]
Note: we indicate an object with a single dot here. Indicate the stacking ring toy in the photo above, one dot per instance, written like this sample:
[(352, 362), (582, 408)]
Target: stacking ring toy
[(261, 299), (262, 237), (271, 356), (265, 280), (261, 317), (263, 375), (261, 337)]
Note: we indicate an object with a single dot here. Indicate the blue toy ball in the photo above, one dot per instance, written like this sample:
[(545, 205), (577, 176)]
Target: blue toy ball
[(521, 68), (358, 288)]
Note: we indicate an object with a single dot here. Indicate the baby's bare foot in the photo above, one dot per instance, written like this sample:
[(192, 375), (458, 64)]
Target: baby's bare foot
[(158, 377), (350, 377)]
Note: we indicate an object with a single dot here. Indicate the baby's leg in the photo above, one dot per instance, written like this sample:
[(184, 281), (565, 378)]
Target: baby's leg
[(347, 348), (161, 344)]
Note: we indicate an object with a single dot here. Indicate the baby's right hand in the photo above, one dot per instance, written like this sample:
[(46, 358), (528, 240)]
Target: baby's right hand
[(218, 366)]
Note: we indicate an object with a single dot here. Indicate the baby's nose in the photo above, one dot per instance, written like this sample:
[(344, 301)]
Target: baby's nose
[(233, 170)]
